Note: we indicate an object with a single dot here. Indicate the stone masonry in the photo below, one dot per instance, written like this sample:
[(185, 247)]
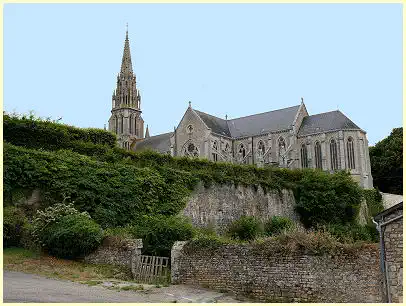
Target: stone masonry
[(238, 269), (116, 251)]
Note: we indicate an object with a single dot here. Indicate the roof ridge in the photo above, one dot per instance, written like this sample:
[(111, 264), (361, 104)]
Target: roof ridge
[(275, 110), (209, 114)]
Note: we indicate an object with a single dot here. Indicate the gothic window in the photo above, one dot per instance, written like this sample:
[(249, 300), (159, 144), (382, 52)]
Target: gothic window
[(242, 151), (261, 148), (189, 129), (350, 153), (227, 148), (215, 149), (116, 124), (282, 152), (303, 156), (317, 153), (122, 124), (191, 150), (333, 154), (131, 124)]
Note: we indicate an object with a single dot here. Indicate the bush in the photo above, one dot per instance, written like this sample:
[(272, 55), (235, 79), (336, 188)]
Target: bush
[(324, 198), (43, 219), (277, 225), (373, 199), (351, 233), (72, 236), (158, 233), (246, 228), (14, 226)]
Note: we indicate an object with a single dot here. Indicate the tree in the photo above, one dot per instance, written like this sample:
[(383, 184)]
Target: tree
[(387, 162)]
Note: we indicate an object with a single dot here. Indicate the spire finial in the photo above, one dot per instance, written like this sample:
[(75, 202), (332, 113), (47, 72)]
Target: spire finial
[(226, 116), (190, 104), (302, 99)]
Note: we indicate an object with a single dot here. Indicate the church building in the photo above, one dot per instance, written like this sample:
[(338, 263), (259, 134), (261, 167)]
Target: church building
[(288, 138)]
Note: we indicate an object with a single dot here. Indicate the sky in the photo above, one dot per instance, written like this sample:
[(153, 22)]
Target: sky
[(62, 60)]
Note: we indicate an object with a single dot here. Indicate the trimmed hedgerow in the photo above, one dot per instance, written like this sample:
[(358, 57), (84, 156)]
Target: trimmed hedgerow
[(31, 132), (114, 194)]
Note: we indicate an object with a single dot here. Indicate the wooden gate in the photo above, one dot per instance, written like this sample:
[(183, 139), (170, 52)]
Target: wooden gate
[(151, 269)]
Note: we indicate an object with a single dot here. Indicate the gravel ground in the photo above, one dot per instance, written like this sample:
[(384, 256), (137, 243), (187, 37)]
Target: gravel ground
[(22, 287)]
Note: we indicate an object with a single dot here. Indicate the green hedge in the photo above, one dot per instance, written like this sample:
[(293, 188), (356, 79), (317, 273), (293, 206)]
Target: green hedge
[(113, 194), (35, 133), (374, 201)]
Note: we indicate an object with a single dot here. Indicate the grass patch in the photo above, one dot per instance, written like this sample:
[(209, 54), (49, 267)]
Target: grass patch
[(18, 259), (132, 288)]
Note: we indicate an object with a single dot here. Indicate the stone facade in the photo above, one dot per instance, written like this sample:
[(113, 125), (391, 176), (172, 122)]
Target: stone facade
[(218, 206), (353, 277), (125, 120), (115, 251), (290, 138), (391, 223)]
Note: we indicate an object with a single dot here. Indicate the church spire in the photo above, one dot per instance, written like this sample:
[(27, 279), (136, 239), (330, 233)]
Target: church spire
[(126, 65), (147, 132)]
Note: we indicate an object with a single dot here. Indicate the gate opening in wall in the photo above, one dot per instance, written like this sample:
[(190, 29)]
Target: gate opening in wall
[(151, 270)]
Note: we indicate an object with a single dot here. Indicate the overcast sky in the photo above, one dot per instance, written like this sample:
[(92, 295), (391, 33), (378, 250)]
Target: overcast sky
[(61, 60)]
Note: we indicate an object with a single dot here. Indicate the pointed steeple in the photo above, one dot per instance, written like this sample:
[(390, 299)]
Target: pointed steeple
[(147, 132), (126, 65)]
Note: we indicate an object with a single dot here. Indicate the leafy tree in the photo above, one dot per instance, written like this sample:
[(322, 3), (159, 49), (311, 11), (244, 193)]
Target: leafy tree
[(387, 162)]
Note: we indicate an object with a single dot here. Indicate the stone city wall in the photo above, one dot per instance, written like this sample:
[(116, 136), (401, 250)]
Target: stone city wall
[(240, 270)]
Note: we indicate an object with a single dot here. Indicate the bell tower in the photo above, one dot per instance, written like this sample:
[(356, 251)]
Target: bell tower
[(125, 120)]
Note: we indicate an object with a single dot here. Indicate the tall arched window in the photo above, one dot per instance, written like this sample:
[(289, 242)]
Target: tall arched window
[(282, 152), (116, 124), (350, 153), (333, 154), (242, 152), (261, 148), (215, 149), (303, 156), (130, 128), (122, 124), (317, 153)]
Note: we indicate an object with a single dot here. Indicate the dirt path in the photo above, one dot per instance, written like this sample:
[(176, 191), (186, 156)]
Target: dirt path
[(22, 287)]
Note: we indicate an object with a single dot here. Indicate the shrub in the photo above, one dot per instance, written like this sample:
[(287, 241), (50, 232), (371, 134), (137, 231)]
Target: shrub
[(43, 219), (14, 226), (158, 233), (246, 228), (323, 198), (72, 236), (277, 225), (350, 233), (373, 199)]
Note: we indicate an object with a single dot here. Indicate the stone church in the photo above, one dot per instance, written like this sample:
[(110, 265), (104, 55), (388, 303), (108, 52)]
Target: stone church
[(288, 137)]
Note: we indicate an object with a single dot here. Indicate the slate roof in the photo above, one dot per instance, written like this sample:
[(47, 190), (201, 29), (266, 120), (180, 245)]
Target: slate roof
[(217, 125), (325, 122), (257, 124), (160, 143)]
